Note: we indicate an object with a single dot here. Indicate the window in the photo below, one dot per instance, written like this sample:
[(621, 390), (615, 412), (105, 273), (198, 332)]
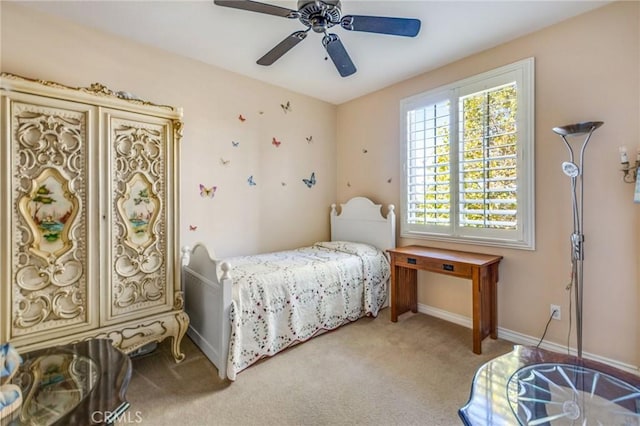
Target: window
[(467, 160)]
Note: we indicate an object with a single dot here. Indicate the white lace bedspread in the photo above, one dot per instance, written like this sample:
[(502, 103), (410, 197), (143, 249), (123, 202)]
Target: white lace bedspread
[(285, 297)]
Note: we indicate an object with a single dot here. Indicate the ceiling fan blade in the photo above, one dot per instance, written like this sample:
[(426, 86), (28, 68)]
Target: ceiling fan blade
[(338, 55), (382, 25), (254, 6), (281, 48)]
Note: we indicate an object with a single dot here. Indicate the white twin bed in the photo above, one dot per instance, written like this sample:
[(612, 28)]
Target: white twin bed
[(245, 308)]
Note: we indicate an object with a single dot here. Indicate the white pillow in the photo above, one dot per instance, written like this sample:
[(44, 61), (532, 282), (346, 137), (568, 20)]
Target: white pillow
[(358, 249)]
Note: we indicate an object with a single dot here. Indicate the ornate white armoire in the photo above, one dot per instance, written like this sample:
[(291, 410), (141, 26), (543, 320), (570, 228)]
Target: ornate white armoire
[(88, 217)]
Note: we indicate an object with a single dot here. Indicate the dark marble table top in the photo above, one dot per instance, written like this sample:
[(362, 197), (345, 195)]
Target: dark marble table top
[(76, 384)]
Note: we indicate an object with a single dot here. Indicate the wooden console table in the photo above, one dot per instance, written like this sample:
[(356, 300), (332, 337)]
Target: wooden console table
[(482, 269)]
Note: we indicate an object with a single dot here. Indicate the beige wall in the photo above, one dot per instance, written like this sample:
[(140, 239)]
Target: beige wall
[(239, 219), (586, 68)]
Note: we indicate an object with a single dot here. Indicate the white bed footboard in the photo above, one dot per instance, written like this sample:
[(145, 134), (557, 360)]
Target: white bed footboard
[(207, 287)]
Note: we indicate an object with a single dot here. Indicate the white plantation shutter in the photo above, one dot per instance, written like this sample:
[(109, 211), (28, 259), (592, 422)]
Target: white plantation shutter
[(467, 155), (428, 171), (488, 166)]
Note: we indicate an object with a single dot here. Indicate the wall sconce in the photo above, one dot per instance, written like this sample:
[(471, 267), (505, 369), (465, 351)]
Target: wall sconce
[(630, 170)]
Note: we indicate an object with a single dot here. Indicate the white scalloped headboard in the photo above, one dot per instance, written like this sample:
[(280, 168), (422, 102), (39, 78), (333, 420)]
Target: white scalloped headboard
[(361, 221)]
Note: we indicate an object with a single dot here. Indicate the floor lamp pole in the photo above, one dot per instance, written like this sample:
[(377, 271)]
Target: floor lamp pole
[(576, 173)]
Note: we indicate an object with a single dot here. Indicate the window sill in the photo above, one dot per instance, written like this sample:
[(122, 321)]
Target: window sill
[(511, 244)]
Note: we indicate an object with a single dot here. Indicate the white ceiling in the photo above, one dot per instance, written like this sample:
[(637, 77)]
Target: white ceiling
[(234, 39)]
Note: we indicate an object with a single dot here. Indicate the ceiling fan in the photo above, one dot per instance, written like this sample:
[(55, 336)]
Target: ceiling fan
[(319, 16)]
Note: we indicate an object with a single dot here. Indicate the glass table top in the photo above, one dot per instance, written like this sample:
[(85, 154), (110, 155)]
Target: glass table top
[(55, 384), (532, 386), (566, 394), (82, 383)]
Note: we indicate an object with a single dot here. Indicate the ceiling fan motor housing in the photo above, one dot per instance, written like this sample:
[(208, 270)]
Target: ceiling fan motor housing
[(319, 15)]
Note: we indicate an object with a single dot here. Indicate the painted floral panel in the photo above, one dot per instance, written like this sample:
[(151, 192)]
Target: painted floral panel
[(139, 209), (50, 210)]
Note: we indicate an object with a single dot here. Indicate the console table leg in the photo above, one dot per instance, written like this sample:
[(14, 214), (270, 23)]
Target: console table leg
[(404, 291), (493, 291), (393, 294), (477, 310)]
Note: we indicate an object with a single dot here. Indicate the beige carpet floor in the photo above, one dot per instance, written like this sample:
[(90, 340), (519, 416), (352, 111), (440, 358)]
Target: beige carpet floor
[(370, 372)]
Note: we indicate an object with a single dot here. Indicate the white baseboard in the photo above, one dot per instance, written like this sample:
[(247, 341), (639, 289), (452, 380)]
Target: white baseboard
[(445, 315), (523, 339)]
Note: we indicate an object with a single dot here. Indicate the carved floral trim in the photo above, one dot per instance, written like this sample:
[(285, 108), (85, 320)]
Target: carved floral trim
[(97, 89)]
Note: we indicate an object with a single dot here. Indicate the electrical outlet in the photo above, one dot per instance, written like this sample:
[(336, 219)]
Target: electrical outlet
[(555, 312)]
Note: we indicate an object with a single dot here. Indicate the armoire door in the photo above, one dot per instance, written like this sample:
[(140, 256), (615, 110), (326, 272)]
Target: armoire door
[(48, 269), (139, 180)]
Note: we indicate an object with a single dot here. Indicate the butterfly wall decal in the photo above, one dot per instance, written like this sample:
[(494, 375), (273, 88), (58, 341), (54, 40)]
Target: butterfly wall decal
[(207, 192), (309, 139), (275, 142), (192, 228), (235, 144), (241, 118), (224, 162), (286, 107), (311, 181), (251, 181)]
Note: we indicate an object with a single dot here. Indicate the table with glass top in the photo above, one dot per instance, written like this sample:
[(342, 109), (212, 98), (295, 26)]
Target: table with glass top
[(532, 386), (76, 384)]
